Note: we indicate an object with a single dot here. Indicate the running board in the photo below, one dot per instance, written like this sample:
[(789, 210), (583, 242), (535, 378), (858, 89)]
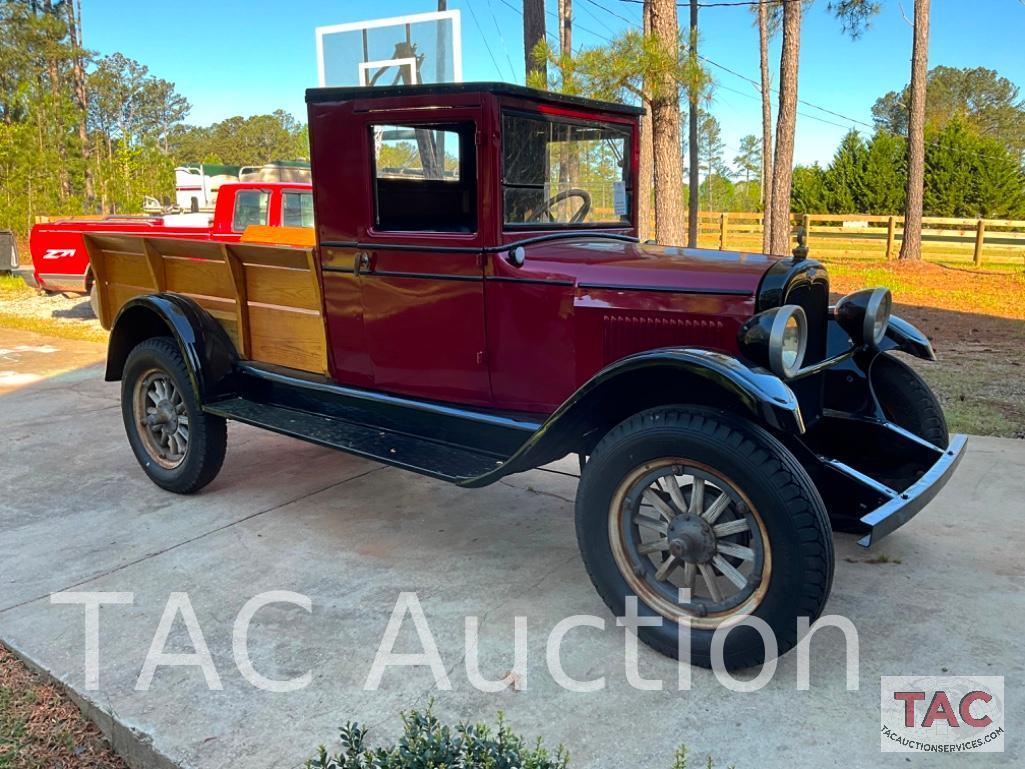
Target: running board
[(447, 462)]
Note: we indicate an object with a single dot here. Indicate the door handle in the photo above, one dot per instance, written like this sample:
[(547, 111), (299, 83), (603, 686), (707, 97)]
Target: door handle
[(362, 263)]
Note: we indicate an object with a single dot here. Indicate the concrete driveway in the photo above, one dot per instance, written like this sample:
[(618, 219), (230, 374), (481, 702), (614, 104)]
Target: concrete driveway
[(78, 514)]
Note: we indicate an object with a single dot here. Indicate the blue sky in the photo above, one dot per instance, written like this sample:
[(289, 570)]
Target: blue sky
[(243, 57)]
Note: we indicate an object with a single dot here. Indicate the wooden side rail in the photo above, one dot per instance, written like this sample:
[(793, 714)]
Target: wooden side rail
[(267, 297)]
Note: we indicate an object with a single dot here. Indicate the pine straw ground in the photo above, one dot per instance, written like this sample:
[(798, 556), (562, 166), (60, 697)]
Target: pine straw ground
[(976, 321), (42, 729)]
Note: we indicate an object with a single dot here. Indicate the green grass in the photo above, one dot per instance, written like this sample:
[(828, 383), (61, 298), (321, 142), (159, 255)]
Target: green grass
[(13, 286), (66, 329)]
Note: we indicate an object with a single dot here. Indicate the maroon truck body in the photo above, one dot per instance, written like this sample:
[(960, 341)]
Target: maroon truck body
[(479, 305), (60, 262)]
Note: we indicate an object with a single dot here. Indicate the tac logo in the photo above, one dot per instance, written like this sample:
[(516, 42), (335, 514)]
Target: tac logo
[(58, 253), (942, 714)]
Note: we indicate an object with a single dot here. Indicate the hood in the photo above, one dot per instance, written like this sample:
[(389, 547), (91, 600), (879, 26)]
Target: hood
[(616, 264)]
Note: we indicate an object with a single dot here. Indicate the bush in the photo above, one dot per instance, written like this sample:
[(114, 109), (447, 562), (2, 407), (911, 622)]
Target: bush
[(428, 744)]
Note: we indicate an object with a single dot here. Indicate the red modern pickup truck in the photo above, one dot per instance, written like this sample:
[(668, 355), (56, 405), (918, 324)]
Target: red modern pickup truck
[(60, 262)]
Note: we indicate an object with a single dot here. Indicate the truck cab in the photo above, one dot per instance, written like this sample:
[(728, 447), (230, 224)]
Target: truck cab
[(476, 303)]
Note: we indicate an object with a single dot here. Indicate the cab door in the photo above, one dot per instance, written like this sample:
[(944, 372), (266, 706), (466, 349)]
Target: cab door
[(420, 264)]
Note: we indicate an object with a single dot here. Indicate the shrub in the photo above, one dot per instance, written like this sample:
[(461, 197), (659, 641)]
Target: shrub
[(427, 743)]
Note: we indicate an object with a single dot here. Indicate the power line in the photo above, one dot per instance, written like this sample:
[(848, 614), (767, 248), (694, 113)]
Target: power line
[(484, 38), (725, 4)]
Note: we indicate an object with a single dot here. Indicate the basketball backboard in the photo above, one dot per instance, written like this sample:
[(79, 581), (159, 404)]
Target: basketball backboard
[(402, 50)]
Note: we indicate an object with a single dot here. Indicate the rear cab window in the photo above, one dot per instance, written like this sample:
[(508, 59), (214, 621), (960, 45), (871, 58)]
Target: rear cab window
[(251, 207), (296, 209)]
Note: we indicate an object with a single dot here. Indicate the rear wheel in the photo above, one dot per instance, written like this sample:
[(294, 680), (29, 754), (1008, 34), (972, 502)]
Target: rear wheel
[(180, 447), (678, 499), (907, 400)]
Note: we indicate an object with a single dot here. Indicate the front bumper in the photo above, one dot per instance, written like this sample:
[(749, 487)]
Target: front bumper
[(873, 475), (903, 506)]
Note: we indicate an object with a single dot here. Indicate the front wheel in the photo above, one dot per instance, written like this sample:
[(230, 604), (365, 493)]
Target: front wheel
[(180, 447), (685, 499)]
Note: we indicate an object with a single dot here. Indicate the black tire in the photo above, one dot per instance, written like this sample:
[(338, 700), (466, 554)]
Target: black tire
[(203, 455), (907, 400), (94, 300), (792, 512)]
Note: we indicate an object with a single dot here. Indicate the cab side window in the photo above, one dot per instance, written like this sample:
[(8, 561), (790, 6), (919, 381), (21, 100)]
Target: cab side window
[(425, 177), (297, 209), (250, 208)]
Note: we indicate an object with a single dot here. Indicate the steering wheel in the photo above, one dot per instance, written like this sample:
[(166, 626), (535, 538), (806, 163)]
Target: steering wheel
[(573, 192)]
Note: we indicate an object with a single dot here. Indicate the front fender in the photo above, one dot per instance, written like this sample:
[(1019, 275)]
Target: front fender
[(904, 336), (209, 354), (667, 376)]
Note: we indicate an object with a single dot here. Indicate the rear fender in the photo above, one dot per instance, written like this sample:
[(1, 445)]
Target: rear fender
[(646, 380), (209, 354)]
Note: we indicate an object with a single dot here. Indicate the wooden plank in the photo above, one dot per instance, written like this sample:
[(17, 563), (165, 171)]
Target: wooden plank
[(238, 278), (288, 338), (129, 269), (272, 256), (204, 277), (187, 249), (96, 259), (314, 277), (289, 288), (155, 263)]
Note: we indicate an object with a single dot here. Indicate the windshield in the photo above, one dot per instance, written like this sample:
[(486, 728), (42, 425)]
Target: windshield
[(564, 173)]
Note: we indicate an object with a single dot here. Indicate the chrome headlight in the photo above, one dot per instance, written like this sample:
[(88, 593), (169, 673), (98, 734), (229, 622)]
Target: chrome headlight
[(865, 315), (777, 339)]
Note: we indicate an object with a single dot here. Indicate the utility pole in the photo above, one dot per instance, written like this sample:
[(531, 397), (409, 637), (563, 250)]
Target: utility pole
[(692, 136)]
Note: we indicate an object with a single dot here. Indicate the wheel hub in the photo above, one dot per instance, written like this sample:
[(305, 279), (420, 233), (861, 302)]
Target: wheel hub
[(691, 538)]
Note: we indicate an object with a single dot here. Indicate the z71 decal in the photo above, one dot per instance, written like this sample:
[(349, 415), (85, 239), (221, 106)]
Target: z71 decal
[(58, 253)]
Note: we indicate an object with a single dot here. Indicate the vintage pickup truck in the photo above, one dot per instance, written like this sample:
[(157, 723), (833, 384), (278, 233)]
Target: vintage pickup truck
[(476, 304), (60, 263)]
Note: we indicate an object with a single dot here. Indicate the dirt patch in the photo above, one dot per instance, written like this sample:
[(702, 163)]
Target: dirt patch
[(22, 307), (976, 322), (40, 728)]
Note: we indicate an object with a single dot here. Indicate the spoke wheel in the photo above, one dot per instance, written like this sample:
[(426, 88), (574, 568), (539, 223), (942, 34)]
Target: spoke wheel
[(676, 524), (179, 446), (159, 408)]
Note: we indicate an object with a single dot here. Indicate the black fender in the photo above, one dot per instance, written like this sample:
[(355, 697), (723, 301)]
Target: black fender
[(208, 352), (904, 336), (645, 380)]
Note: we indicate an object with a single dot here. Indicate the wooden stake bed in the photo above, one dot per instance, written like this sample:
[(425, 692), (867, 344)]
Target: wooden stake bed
[(267, 297)]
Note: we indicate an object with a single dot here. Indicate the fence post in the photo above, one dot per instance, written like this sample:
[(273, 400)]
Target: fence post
[(723, 219), (806, 224), (891, 226), (980, 237)]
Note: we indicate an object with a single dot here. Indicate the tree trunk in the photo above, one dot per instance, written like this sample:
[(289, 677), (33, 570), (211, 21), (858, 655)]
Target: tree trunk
[(53, 72), (911, 244), (81, 95), (763, 45), (645, 175), (665, 119), (786, 123), (692, 136), (533, 33)]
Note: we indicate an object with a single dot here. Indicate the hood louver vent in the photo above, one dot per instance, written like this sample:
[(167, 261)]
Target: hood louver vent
[(627, 333)]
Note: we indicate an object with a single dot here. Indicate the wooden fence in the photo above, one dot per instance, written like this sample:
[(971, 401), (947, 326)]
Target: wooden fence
[(994, 241)]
